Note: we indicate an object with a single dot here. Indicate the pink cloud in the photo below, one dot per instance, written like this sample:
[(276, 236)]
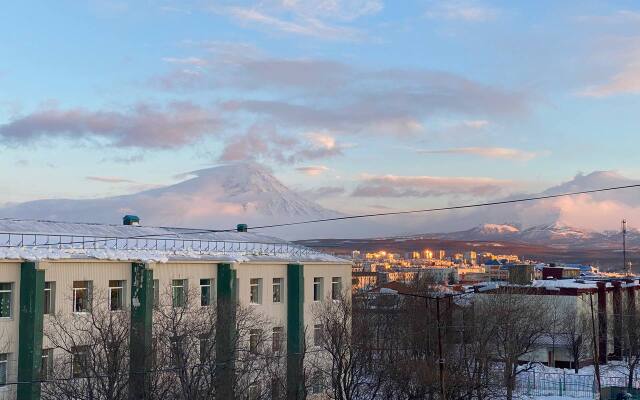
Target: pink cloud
[(177, 124), (425, 186)]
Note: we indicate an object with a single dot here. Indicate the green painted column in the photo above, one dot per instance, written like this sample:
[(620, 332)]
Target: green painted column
[(141, 333), (295, 331), (30, 330), (226, 332)]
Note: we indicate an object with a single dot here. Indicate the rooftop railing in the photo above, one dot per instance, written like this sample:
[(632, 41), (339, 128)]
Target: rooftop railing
[(169, 245)]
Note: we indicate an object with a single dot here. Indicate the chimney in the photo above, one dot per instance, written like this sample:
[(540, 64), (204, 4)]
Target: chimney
[(131, 220), (242, 228)]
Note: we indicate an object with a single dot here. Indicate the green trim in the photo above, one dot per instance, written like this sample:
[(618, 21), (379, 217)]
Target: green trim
[(226, 331), (141, 334), (30, 330), (295, 331)]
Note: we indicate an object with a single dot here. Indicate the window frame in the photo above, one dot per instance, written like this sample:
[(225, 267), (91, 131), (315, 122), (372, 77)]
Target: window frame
[(10, 293), (277, 334), (122, 284), (318, 333), (79, 351), (254, 345), (279, 284), (4, 360), (174, 298), (156, 293), (210, 297), (87, 297), (335, 294), (49, 304), (46, 366), (258, 285), (318, 282)]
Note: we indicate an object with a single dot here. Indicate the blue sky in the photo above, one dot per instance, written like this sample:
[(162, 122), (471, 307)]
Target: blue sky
[(382, 99)]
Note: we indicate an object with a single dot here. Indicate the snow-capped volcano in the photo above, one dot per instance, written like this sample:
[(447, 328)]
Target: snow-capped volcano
[(218, 197)]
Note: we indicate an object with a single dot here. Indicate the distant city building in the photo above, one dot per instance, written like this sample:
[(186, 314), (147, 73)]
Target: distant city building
[(470, 257), (441, 254)]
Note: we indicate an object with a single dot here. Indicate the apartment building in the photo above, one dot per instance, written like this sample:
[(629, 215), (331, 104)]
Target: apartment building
[(51, 269)]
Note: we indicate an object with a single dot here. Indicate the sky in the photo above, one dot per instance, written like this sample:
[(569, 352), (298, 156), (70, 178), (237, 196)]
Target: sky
[(360, 104)]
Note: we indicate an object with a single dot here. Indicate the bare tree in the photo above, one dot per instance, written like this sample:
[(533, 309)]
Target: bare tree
[(346, 357), (517, 324), (95, 347), (184, 342)]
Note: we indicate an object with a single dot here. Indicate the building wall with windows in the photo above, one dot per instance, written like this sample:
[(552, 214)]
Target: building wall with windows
[(76, 286)]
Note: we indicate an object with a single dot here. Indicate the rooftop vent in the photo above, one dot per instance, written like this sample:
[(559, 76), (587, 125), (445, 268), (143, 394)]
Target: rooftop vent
[(131, 220), (242, 227)]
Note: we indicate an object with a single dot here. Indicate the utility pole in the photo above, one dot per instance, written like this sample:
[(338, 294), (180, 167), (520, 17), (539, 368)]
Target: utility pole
[(440, 357), (626, 267), (596, 363)]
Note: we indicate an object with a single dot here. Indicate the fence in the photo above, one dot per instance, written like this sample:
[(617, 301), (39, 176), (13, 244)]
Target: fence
[(533, 383), (198, 246)]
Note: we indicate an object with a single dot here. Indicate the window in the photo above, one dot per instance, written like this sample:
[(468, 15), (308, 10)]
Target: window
[(3, 369), (6, 299), (176, 351), (317, 385), (116, 295), (336, 288), (276, 389), (317, 335), (49, 297), (79, 360), (318, 289), (254, 391), (179, 292), (81, 296), (205, 349), (276, 339), (156, 293), (47, 364), (254, 340), (255, 294), (277, 290), (206, 292)]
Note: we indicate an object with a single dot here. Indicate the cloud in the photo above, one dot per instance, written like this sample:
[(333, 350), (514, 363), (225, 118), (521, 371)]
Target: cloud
[(619, 17), (195, 61), (626, 81), (108, 179), (263, 142), (322, 19), (338, 9), (320, 94), (143, 126), (306, 27), (488, 152), (313, 170), (462, 10), (428, 186), (476, 124), (323, 191)]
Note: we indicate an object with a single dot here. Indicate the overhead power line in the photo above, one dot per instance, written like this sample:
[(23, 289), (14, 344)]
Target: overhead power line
[(427, 210), (194, 231)]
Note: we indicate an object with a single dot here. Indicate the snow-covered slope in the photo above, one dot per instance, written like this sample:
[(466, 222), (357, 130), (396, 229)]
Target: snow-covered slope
[(218, 197)]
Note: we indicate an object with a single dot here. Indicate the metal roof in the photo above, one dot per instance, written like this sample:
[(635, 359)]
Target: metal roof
[(60, 239)]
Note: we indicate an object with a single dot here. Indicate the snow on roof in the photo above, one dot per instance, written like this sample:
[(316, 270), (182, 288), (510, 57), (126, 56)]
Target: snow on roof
[(50, 240), (55, 228)]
